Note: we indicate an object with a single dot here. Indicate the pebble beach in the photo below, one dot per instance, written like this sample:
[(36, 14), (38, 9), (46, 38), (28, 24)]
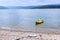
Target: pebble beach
[(27, 35)]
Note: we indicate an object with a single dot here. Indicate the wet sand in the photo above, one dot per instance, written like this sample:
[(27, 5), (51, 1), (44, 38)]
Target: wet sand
[(28, 35)]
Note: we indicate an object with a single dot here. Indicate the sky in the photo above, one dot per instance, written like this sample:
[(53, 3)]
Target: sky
[(27, 2)]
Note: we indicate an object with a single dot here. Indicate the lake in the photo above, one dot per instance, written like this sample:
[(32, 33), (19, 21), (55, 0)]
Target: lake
[(25, 19)]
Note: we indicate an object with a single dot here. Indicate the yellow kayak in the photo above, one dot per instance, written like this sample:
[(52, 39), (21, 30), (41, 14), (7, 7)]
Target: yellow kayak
[(39, 21)]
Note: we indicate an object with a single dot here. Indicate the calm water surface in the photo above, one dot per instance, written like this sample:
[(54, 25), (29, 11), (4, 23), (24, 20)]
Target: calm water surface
[(25, 19)]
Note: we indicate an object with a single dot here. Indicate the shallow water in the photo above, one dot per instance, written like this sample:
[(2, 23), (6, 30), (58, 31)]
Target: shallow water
[(25, 19)]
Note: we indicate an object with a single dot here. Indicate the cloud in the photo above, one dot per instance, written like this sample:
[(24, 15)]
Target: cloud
[(27, 2)]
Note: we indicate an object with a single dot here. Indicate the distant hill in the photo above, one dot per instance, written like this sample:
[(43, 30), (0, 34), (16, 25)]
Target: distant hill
[(47, 6), (36, 7), (21, 7), (31, 7), (2, 7)]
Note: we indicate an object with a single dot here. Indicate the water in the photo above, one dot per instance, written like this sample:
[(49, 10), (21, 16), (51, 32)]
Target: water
[(25, 19)]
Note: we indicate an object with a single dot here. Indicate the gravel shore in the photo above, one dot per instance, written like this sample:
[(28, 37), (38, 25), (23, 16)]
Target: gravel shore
[(27, 35)]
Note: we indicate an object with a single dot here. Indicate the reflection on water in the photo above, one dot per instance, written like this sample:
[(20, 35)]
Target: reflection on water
[(25, 18)]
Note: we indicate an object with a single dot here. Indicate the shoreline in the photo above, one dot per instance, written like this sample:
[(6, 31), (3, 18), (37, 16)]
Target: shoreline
[(6, 34), (44, 32)]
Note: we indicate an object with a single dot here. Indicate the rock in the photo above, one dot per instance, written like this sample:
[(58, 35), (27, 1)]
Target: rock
[(18, 39), (40, 35), (32, 35)]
